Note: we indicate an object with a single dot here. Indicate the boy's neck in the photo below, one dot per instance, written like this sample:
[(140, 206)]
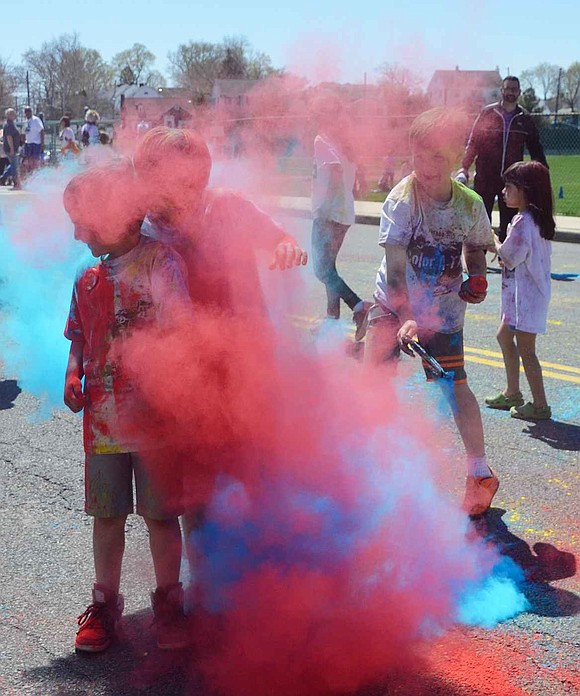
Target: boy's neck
[(127, 244), (441, 195)]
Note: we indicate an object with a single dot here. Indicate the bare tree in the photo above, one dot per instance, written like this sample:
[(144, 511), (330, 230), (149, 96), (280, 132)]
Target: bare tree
[(197, 64), (543, 78), (66, 76), (399, 78), (8, 85), (571, 83), (134, 65)]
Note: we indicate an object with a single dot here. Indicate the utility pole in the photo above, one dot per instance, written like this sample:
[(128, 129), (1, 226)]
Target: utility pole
[(558, 96), (28, 90)]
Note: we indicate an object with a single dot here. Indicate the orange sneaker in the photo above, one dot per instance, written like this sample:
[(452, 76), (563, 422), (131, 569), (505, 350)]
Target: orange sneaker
[(479, 492), (99, 620)]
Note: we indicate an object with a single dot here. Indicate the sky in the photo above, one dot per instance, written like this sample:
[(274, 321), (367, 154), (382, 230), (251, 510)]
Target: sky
[(323, 40)]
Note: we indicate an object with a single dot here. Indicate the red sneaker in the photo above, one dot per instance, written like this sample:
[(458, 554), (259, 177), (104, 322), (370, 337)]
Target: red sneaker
[(479, 493), (171, 624), (98, 622)]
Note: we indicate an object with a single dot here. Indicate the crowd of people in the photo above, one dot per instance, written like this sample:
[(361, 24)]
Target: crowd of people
[(169, 246), (24, 150)]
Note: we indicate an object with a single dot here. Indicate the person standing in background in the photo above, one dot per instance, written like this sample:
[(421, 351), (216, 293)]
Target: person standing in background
[(333, 212), (11, 141), (497, 140), (34, 139)]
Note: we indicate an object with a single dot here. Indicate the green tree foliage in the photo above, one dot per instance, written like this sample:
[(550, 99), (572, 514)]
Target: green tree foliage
[(529, 100)]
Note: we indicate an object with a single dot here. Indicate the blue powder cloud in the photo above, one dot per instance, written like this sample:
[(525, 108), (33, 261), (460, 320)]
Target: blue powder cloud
[(38, 265)]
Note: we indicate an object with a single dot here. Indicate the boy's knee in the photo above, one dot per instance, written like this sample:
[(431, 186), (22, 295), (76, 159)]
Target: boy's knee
[(161, 525), (110, 523)]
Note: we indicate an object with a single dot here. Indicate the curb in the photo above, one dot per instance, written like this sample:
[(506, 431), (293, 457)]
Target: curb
[(560, 236)]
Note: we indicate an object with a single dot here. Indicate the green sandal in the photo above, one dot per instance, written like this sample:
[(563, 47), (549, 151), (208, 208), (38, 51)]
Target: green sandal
[(503, 402), (530, 412)]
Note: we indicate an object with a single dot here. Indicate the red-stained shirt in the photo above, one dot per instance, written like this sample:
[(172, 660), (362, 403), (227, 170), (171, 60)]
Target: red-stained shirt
[(219, 247), (145, 288)]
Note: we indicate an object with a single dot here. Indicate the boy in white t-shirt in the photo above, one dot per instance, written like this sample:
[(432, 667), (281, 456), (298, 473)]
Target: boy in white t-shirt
[(429, 222)]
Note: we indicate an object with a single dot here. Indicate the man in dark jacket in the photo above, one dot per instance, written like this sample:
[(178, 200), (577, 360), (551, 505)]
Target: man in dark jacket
[(497, 140)]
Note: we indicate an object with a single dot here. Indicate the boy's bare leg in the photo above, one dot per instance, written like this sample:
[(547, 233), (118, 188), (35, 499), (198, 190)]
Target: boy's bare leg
[(108, 550), (165, 543), (380, 341), (468, 420), (511, 359), (527, 350)]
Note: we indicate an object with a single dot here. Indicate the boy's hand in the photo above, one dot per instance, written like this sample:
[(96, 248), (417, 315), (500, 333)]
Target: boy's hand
[(288, 254), (407, 331), (474, 289), (73, 394)]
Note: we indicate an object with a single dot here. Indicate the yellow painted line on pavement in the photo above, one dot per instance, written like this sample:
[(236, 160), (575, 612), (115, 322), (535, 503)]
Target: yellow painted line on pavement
[(472, 355), (497, 363), (494, 317), (495, 354)]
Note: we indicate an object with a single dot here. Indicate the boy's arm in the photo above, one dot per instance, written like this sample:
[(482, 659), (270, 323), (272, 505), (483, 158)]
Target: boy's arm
[(475, 261), (396, 261), (265, 233), (73, 387)]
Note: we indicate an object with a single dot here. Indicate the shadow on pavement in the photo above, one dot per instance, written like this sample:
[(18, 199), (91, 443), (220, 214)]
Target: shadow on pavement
[(132, 666), (557, 434), (9, 390), (541, 564)]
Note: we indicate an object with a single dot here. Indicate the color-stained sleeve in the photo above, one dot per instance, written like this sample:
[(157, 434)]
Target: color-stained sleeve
[(480, 235), (169, 289), (254, 225), (472, 148), (74, 328), (396, 224), (517, 245)]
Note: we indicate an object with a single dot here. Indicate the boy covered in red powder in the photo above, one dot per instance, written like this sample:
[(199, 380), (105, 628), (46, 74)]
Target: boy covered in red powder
[(137, 284), (429, 221), (217, 232)]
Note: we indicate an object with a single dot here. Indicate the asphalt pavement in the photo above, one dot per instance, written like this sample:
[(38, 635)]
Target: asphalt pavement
[(45, 537)]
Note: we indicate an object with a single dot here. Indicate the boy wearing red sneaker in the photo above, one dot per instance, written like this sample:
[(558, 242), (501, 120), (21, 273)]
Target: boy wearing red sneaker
[(138, 284), (429, 222)]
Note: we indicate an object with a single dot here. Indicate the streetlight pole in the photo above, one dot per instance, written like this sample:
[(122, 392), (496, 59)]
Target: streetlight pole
[(558, 96)]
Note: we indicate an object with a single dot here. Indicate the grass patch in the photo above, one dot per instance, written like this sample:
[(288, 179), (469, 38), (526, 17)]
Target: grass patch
[(294, 179)]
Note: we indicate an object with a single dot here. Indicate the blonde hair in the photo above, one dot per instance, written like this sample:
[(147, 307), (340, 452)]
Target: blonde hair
[(165, 144), (92, 116), (439, 127), (109, 186)]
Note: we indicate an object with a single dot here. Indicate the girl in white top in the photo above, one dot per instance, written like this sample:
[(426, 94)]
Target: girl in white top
[(525, 293), (67, 137)]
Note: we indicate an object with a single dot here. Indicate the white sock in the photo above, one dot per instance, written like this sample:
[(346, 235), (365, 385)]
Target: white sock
[(477, 466)]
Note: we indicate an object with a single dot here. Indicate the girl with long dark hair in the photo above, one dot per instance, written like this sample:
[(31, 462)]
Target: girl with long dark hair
[(525, 294)]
